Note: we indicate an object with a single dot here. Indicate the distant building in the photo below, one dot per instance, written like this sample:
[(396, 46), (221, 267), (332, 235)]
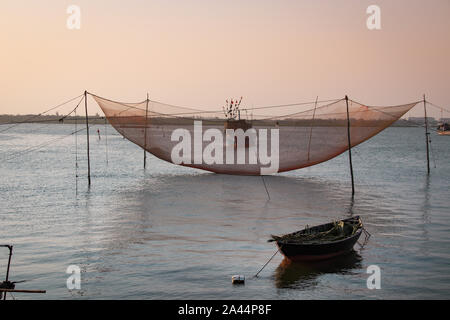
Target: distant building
[(445, 120)]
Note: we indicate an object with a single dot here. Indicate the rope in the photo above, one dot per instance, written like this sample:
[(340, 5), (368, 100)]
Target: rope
[(296, 104), (267, 117), (47, 121), (414, 124), (74, 110), (265, 186), (37, 147), (38, 115), (256, 275), (367, 236), (59, 119), (253, 108), (291, 115), (311, 129), (436, 106), (196, 111)]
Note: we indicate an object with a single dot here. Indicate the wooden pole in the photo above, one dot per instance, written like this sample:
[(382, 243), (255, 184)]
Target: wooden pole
[(87, 136), (350, 147), (23, 291), (3, 295), (145, 133), (426, 134), (9, 262)]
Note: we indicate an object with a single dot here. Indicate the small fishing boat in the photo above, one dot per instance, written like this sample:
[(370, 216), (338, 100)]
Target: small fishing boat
[(320, 242), (444, 129)]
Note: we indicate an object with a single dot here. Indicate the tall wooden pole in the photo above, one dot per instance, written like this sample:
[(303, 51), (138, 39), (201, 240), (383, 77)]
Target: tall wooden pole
[(426, 134), (3, 294), (145, 133), (87, 136), (9, 262), (350, 147)]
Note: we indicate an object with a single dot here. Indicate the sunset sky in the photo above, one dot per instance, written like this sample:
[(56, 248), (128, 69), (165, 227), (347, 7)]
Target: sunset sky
[(198, 53)]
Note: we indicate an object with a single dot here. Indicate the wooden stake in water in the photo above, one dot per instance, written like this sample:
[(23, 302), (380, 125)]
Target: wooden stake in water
[(87, 136), (106, 140), (76, 152), (350, 147), (10, 248), (426, 134), (145, 133)]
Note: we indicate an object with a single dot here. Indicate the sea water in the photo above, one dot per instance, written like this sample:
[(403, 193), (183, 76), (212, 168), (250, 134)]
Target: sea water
[(170, 232)]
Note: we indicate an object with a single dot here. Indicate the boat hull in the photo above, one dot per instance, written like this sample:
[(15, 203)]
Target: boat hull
[(313, 252), (295, 252)]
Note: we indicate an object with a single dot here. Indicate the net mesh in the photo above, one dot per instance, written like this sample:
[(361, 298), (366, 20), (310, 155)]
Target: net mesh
[(260, 141)]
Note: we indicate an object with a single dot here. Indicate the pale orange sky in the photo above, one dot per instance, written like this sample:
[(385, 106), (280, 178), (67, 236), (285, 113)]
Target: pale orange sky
[(198, 52)]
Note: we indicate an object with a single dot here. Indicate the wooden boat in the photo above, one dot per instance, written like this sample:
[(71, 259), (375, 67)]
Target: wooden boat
[(320, 242), (444, 129)]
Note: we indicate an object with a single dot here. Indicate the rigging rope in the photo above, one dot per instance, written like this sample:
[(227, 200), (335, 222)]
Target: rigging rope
[(256, 275), (436, 106), (196, 111), (37, 147), (311, 128), (415, 124), (46, 123), (38, 115), (265, 186)]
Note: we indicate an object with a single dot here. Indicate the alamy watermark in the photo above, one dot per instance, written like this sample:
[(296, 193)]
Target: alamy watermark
[(251, 144), (73, 282), (374, 20), (374, 280), (74, 19)]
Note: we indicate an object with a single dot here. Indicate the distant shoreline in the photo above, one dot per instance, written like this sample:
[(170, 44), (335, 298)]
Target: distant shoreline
[(56, 119), (6, 119)]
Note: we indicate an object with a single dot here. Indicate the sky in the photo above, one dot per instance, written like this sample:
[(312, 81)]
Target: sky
[(198, 53)]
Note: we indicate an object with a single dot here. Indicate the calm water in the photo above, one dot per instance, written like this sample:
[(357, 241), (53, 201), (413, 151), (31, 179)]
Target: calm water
[(177, 233)]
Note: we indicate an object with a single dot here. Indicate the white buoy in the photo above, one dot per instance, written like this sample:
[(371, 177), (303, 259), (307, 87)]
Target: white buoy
[(238, 279)]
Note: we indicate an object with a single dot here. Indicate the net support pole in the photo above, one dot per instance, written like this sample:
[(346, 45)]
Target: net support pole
[(87, 137), (426, 134), (350, 147), (10, 248), (145, 133)]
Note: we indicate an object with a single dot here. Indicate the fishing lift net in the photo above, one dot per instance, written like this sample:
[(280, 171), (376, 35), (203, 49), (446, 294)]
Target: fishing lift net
[(252, 141)]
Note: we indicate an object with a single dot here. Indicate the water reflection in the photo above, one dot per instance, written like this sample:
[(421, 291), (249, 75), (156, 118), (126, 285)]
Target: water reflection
[(296, 275), (350, 207), (209, 202)]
